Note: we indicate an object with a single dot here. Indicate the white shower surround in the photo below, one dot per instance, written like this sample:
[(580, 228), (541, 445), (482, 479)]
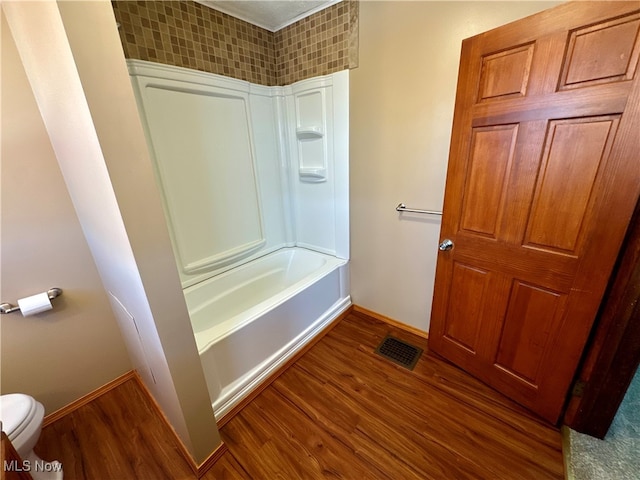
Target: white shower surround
[(273, 271)]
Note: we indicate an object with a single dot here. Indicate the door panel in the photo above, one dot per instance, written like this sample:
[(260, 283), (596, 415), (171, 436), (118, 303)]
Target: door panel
[(463, 322), (543, 177), (491, 154), (506, 73), (616, 45), (572, 155), (529, 320)]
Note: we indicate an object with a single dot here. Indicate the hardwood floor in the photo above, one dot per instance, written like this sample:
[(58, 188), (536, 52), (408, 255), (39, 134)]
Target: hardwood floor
[(116, 436), (340, 411), (343, 411)]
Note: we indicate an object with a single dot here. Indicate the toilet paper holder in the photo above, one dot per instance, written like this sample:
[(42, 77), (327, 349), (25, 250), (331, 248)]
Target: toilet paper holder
[(8, 308)]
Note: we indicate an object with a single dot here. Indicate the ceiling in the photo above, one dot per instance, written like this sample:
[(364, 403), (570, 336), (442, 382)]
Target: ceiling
[(269, 14)]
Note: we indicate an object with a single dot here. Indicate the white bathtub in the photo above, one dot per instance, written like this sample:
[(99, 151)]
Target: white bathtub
[(252, 319)]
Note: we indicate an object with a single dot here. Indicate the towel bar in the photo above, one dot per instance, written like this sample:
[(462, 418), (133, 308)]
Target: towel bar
[(403, 208)]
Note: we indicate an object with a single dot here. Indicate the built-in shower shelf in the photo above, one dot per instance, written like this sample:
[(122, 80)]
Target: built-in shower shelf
[(313, 175), (309, 133)]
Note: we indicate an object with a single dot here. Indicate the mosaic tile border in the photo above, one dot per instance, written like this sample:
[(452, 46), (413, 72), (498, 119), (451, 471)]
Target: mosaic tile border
[(188, 34)]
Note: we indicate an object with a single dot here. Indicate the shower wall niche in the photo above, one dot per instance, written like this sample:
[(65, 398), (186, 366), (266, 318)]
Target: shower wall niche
[(246, 169)]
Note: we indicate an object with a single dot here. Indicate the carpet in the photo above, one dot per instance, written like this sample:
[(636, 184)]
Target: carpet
[(617, 457)]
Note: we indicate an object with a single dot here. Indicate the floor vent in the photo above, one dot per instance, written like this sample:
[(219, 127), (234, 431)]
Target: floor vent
[(399, 351)]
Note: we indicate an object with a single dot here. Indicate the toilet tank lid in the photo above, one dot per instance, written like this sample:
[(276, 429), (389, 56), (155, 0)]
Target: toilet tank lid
[(15, 408)]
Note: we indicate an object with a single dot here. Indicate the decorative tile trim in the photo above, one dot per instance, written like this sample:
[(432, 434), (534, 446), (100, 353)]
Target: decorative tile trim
[(354, 33), (316, 45), (187, 34)]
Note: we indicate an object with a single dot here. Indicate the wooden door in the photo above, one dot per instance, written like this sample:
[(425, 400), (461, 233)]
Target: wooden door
[(544, 174)]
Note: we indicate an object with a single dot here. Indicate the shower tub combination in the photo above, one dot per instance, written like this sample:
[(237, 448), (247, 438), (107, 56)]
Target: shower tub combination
[(252, 319), (255, 185)]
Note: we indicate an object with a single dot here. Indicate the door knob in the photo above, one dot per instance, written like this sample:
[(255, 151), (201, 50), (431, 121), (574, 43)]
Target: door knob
[(445, 245)]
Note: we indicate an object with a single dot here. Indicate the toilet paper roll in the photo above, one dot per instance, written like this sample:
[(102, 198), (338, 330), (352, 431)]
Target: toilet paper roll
[(35, 304)]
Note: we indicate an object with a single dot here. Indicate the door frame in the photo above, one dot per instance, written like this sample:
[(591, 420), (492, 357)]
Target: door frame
[(612, 355)]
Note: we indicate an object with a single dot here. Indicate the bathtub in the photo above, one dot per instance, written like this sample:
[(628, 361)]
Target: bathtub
[(250, 320)]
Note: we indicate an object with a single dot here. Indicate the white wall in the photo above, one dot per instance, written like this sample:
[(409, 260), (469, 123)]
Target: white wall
[(60, 355), (402, 98), (74, 62)]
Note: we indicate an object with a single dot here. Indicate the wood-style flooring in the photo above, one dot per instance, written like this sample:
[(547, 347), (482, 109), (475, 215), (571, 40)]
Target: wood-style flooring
[(340, 411)]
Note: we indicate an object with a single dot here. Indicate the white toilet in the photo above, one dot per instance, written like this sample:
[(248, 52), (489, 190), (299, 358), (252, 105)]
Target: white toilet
[(21, 418)]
